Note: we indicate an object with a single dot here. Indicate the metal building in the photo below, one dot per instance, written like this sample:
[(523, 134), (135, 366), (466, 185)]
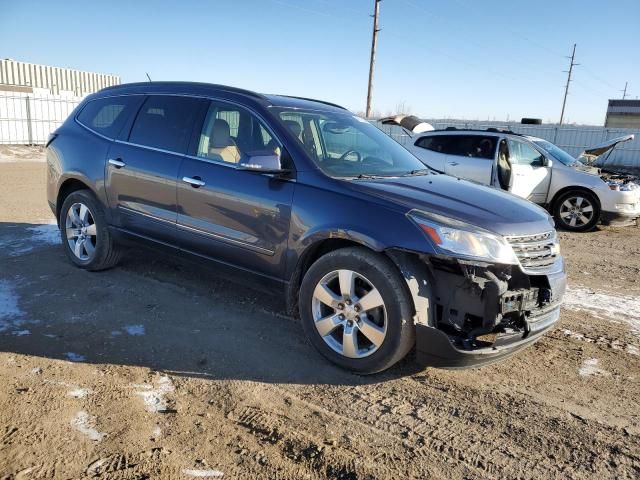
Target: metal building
[(623, 114), (24, 77)]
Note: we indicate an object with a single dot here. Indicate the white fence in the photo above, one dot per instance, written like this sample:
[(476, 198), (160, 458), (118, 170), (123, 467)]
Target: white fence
[(571, 138), (29, 118)]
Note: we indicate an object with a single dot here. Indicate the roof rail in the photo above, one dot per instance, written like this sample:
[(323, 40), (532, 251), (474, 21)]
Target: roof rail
[(188, 84), (315, 100), (490, 129)]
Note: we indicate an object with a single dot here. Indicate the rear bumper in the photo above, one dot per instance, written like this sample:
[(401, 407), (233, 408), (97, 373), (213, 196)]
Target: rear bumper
[(435, 348)]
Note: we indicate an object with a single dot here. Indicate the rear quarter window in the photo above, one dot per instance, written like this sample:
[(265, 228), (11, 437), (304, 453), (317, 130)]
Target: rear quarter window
[(107, 116)]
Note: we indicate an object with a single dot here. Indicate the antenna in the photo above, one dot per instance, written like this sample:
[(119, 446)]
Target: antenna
[(148, 76)]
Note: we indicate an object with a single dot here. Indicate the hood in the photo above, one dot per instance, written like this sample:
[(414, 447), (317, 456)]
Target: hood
[(485, 207), (408, 122), (604, 147)]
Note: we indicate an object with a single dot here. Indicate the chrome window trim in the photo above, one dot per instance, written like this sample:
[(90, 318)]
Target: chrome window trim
[(264, 122)]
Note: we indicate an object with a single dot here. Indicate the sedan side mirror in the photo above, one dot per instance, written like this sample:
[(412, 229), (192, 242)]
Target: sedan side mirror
[(262, 162), (547, 162)]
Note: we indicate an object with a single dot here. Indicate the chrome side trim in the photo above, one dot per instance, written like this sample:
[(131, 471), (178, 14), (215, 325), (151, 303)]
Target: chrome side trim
[(148, 215), (226, 239)]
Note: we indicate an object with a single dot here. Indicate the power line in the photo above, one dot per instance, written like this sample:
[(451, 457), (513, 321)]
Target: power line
[(374, 40), (566, 89)]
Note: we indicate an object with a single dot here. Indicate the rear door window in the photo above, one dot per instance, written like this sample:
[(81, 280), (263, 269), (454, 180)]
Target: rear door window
[(165, 122), (437, 143), (474, 146), (107, 116)]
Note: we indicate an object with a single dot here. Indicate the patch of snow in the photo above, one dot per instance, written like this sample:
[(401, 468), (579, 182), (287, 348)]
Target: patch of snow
[(74, 357), (619, 308), (22, 333), (116, 333), (134, 330), (9, 309), (633, 350), (47, 233), (590, 367), (83, 423), (203, 473), (154, 397), (79, 392)]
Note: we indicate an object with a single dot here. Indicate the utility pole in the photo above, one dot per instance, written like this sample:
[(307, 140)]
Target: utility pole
[(566, 90), (624, 92), (374, 40)]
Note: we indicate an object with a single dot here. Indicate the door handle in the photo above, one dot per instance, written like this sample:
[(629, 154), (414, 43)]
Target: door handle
[(453, 164), (195, 182), (116, 162)]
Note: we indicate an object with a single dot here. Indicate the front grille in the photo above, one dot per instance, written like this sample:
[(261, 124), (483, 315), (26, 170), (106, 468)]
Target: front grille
[(535, 252)]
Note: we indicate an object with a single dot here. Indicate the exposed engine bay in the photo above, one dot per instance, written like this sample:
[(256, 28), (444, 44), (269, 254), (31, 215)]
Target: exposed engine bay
[(620, 181), (480, 306)]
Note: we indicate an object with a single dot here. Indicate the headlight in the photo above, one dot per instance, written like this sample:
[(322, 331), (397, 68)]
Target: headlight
[(451, 236)]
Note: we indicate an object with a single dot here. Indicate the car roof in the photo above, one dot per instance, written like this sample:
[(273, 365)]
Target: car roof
[(472, 131), (205, 89)]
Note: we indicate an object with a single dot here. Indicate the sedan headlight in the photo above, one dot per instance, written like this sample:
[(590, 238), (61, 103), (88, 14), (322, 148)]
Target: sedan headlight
[(461, 239)]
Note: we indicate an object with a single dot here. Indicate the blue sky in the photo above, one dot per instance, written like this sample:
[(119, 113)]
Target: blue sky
[(457, 58)]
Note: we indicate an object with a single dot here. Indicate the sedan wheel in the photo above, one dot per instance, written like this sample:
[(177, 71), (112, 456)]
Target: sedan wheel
[(349, 314), (576, 211), (81, 231)]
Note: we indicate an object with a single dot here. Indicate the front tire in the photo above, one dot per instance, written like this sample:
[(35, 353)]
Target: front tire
[(85, 237), (577, 211), (356, 310)]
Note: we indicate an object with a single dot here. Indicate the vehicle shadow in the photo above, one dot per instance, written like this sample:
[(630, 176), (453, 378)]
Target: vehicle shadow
[(156, 311)]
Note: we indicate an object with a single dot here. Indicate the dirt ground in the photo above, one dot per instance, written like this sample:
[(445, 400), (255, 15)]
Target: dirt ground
[(163, 369)]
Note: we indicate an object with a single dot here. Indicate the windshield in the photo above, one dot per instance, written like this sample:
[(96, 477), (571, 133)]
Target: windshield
[(557, 153), (344, 145)]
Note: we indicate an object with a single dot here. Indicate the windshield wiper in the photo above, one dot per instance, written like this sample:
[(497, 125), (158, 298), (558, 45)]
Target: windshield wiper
[(420, 171), (368, 175)]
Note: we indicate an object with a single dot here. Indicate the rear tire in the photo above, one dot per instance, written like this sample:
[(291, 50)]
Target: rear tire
[(356, 310), (86, 238), (577, 211)]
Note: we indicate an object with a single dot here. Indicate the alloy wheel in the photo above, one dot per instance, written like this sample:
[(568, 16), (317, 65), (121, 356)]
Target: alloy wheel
[(81, 231), (349, 314), (576, 211)]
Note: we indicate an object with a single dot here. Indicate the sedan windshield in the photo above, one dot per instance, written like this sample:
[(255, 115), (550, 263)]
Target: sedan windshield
[(343, 145), (557, 153)]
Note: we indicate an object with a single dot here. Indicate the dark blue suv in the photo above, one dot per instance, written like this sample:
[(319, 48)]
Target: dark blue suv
[(372, 251)]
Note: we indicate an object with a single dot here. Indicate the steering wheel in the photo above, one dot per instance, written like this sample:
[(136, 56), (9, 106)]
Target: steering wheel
[(349, 152)]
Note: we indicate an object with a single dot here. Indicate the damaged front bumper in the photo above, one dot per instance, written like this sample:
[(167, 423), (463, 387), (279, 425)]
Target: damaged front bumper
[(470, 314)]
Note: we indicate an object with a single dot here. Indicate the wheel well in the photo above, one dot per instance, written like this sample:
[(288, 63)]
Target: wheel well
[(68, 187), (310, 255), (561, 192)]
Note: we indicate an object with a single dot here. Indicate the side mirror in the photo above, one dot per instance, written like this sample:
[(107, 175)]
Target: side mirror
[(262, 162), (547, 162)]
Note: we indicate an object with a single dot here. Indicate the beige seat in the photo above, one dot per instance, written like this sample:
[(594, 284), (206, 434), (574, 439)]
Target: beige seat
[(221, 144)]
